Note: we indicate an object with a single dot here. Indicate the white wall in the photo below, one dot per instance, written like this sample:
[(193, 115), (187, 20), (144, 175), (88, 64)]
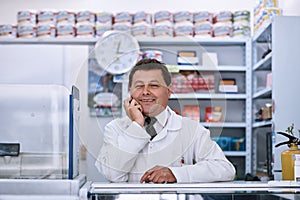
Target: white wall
[(290, 7), (75, 57)]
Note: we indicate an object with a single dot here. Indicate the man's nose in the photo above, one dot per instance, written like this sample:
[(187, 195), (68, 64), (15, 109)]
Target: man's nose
[(146, 89)]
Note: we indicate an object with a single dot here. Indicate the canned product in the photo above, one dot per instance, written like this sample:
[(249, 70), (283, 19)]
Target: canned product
[(222, 30), (45, 30), (8, 30), (141, 30), (223, 16), (142, 17), (65, 18), (241, 31), (202, 16), (163, 16), (100, 29), (203, 29), (85, 17), (65, 31), (46, 17), (26, 31), (122, 27), (123, 17), (154, 54), (104, 18), (85, 30), (183, 16), (241, 16), (163, 30), (26, 17), (183, 30)]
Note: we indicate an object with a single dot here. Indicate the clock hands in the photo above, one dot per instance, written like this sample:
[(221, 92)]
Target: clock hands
[(118, 48)]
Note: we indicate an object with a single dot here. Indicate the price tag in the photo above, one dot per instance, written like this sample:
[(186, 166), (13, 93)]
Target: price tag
[(173, 68)]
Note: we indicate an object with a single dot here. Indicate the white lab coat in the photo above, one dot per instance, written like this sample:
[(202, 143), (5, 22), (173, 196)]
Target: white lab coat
[(127, 152)]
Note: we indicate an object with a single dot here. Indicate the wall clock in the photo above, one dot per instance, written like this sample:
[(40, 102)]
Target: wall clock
[(116, 52)]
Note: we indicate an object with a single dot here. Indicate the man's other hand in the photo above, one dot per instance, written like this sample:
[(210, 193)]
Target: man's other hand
[(158, 174)]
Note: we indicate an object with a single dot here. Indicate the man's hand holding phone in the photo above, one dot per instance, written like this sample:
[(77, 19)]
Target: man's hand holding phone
[(134, 110)]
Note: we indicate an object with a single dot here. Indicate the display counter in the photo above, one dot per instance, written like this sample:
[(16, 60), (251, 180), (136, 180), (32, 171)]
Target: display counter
[(207, 191), (45, 189), (79, 189)]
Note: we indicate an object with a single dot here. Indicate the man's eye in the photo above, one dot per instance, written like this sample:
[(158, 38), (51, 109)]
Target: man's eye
[(154, 85), (139, 86)]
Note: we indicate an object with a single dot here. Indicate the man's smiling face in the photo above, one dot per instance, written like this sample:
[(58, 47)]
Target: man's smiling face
[(150, 90)]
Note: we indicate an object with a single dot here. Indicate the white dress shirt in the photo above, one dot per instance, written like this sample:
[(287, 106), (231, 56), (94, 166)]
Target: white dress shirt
[(181, 144)]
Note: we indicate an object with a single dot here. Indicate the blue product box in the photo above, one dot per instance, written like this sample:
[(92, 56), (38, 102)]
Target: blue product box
[(223, 142), (238, 144)]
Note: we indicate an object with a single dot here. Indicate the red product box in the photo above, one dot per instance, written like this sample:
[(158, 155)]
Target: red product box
[(213, 114), (191, 111)]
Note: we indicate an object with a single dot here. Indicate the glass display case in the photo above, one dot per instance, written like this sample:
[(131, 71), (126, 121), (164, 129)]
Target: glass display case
[(38, 128), (236, 190)]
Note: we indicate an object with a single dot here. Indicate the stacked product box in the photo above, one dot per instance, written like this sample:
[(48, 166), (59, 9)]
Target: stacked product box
[(85, 24), (123, 21), (164, 23), (183, 24), (142, 24), (264, 11), (65, 24), (46, 21), (26, 24), (104, 22)]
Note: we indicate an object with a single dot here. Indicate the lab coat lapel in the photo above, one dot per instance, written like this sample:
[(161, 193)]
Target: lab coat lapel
[(174, 124)]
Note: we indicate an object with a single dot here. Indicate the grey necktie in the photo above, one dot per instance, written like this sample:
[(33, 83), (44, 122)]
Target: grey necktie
[(149, 121)]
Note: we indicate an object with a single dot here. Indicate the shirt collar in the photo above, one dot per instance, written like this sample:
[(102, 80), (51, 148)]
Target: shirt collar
[(162, 117)]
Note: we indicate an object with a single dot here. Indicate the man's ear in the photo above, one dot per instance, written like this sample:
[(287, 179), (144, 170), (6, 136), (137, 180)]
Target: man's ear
[(170, 91)]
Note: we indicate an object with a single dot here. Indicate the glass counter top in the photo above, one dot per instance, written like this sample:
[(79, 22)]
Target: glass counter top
[(207, 191)]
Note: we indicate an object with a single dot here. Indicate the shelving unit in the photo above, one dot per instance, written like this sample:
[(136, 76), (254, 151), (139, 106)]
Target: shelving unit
[(283, 63), (208, 96), (234, 56)]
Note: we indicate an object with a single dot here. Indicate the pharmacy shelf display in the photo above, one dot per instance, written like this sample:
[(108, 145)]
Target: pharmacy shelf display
[(231, 125), (275, 91)]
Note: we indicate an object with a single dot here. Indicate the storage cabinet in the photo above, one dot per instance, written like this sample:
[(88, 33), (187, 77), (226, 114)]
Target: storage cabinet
[(276, 83)]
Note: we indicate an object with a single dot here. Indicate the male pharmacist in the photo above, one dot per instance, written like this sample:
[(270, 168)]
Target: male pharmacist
[(152, 144)]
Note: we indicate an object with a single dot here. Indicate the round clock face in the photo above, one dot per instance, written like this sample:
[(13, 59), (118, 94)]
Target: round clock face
[(116, 52)]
